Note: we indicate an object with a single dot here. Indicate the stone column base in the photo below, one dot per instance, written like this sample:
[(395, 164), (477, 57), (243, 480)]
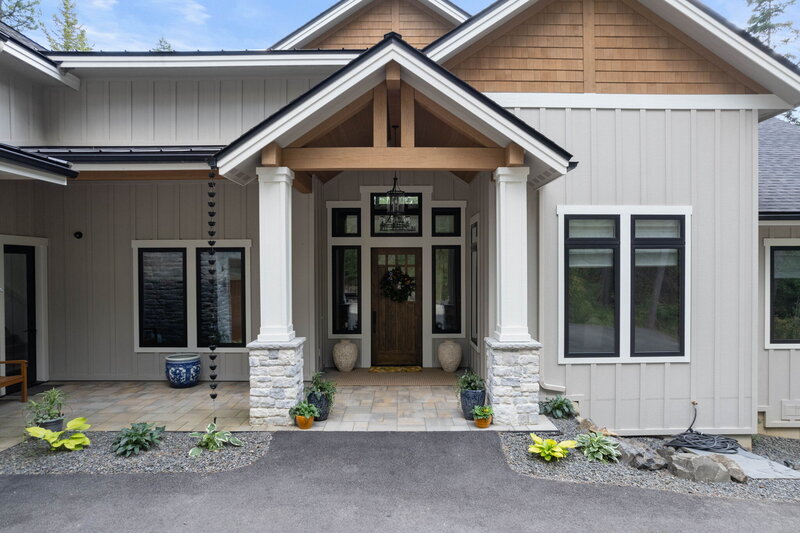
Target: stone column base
[(512, 381), (276, 381)]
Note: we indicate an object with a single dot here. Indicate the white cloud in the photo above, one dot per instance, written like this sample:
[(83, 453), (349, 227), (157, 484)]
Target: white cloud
[(101, 4), (194, 12)]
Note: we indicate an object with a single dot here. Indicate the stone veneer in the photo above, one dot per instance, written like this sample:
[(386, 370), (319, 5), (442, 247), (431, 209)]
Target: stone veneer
[(276, 381), (512, 381)]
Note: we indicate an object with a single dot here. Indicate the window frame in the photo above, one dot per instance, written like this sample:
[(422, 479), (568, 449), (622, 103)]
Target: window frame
[(455, 212), (626, 275), (198, 281), (333, 249), (139, 295), (372, 214), (769, 245), (456, 248), (345, 211), (190, 247)]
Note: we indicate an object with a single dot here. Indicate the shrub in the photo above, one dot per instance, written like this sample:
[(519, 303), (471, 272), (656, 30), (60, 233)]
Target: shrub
[(481, 412), (469, 380), (49, 407), (598, 447), (304, 409), (74, 439), (549, 449), (322, 387), (559, 407), (212, 440), (137, 438)]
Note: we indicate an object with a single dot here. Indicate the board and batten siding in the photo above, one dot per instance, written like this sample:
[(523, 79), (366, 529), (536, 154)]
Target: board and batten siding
[(703, 159), (22, 110), (778, 369)]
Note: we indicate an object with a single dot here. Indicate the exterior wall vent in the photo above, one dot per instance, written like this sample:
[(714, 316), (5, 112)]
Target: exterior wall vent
[(790, 410)]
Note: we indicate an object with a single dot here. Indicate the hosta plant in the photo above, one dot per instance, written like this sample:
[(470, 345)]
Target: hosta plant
[(598, 447), (212, 440), (549, 449), (559, 407), (137, 438), (70, 439)]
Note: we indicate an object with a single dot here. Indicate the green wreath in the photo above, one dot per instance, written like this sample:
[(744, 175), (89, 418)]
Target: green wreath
[(397, 285)]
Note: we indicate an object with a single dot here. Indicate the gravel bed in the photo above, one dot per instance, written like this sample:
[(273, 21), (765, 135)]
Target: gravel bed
[(780, 450), (34, 457), (575, 467)]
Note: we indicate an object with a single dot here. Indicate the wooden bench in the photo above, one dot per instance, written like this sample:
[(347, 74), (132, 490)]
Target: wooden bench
[(22, 379)]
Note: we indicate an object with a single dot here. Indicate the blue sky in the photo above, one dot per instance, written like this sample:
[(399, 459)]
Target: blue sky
[(233, 24)]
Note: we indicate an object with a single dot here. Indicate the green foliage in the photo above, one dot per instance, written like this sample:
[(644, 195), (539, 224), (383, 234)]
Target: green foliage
[(163, 45), (49, 407), (304, 409), (70, 439), (764, 21), (598, 447), (67, 33), (322, 387), (470, 381), (212, 440), (20, 14), (481, 412), (137, 438), (559, 407), (549, 449)]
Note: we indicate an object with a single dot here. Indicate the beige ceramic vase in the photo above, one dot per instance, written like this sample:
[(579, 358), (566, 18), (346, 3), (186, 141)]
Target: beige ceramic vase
[(345, 355), (449, 353)]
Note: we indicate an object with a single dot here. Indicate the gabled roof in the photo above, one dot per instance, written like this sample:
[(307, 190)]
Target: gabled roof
[(238, 160), (16, 163), (778, 168), (17, 50), (337, 13), (710, 29)]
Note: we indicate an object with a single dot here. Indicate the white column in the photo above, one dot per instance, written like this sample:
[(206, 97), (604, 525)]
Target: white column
[(512, 254), (275, 253)]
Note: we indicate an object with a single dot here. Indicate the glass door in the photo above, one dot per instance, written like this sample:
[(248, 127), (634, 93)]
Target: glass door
[(19, 291)]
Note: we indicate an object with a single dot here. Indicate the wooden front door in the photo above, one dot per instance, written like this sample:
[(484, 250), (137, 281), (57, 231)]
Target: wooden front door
[(396, 326)]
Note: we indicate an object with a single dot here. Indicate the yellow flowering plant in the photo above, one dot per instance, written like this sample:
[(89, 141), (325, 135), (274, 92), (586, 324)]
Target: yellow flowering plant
[(549, 449)]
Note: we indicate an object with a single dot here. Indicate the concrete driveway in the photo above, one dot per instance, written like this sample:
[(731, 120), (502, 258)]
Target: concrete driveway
[(415, 482)]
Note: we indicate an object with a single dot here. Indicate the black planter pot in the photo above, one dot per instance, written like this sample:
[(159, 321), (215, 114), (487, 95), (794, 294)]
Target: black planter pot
[(57, 424), (469, 399), (320, 401)]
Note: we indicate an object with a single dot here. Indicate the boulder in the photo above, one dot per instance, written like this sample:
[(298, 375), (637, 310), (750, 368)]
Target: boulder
[(640, 456), (698, 468), (587, 425), (733, 468)]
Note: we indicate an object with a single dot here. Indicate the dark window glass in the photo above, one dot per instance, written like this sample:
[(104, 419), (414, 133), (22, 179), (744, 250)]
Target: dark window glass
[(446, 221), (447, 289), (162, 298), (592, 286), (346, 294), (221, 305), (346, 222), (657, 285), (386, 224), (473, 282), (785, 300)]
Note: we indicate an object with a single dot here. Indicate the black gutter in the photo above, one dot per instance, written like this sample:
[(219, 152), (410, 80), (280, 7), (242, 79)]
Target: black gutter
[(47, 164), (389, 40), (779, 215), (139, 154)]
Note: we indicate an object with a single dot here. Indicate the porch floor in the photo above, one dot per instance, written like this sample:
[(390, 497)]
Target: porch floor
[(112, 405)]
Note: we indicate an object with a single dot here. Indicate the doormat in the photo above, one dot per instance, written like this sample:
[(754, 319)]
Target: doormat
[(392, 369)]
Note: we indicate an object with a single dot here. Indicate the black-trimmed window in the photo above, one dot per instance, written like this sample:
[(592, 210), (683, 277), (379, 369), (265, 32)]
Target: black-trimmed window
[(345, 222), (224, 300), (658, 280), (162, 298), (784, 302), (592, 274), (382, 225), (446, 289), (446, 221), (346, 289)]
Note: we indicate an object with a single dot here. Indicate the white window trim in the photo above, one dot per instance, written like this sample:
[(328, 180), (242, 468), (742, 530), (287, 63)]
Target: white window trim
[(768, 244), (624, 212), (191, 293)]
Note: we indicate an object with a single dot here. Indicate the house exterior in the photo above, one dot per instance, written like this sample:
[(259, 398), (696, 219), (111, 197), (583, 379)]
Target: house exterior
[(579, 210)]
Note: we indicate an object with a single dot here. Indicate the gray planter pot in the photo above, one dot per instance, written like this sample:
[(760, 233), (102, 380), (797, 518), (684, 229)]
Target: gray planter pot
[(57, 424), (469, 399)]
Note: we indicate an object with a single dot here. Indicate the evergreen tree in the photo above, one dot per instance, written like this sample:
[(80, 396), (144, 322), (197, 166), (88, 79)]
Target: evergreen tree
[(163, 45), (67, 34), (19, 14)]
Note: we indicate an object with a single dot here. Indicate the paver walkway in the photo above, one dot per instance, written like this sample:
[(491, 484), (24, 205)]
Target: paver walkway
[(445, 481)]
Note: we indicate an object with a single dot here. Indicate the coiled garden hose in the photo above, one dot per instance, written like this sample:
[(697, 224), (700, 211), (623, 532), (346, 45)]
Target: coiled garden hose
[(702, 441)]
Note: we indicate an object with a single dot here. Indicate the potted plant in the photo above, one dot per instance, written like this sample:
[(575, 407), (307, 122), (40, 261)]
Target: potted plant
[(471, 392), (482, 415), (47, 413), (321, 394), (304, 414)]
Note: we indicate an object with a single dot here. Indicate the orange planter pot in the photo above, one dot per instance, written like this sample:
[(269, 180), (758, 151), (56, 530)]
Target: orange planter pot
[(483, 423), (303, 422)]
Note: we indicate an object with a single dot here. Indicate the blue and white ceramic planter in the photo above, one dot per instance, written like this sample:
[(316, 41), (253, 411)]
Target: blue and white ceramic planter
[(183, 370)]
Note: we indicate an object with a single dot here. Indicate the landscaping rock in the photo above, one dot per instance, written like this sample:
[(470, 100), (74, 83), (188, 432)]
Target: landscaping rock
[(698, 468), (640, 456), (587, 425), (733, 468)]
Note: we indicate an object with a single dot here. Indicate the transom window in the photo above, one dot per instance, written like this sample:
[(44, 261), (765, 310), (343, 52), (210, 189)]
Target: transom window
[(623, 284)]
